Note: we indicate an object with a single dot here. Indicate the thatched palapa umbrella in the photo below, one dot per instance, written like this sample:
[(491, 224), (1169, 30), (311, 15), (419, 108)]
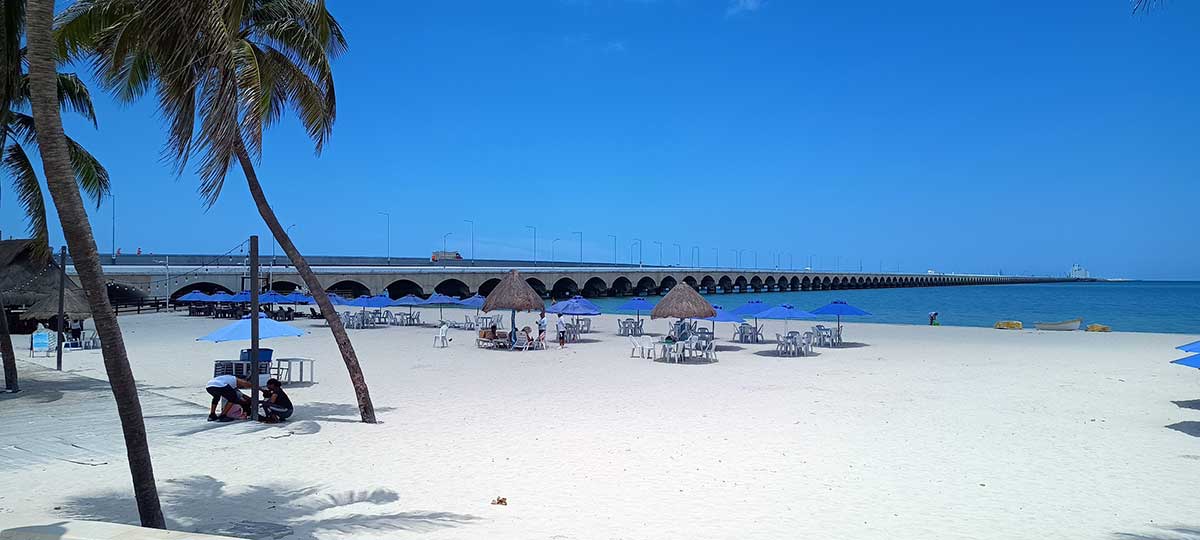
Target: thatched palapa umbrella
[(683, 302), (513, 293), (29, 280)]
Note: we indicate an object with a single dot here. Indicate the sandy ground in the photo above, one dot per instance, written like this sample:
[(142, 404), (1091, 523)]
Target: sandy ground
[(911, 432)]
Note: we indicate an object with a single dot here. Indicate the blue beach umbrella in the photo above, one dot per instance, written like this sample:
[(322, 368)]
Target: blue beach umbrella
[(242, 296), (752, 308), (194, 296), (841, 309), (1191, 361), (297, 297), (785, 313), (377, 301), (220, 296), (440, 300), (1190, 347), (473, 302), (576, 306), (336, 300), (409, 300), (272, 297), (723, 315), (240, 331), (636, 304)]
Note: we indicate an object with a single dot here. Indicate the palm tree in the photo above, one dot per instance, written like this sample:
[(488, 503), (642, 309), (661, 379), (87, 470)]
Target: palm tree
[(56, 165), (233, 67), (90, 175)]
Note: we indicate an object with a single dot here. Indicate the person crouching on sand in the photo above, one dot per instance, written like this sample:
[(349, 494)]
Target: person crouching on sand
[(276, 405), (225, 386)]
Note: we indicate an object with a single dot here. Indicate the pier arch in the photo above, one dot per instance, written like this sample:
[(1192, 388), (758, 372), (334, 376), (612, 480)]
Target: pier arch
[(594, 286), (806, 284), (537, 286), (740, 284), (348, 288), (726, 284), (486, 287), (708, 284), (564, 288), (202, 286), (769, 283), (795, 283), (666, 284), (284, 286), (825, 283), (756, 283), (453, 287), (403, 287), (691, 282), (622, 286), (646, 286)]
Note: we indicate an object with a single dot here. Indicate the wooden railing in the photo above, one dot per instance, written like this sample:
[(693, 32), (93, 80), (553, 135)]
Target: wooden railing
[(142, 305)]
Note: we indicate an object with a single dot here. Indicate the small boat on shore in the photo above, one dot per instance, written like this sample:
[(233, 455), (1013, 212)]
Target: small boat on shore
[(1070, 325)]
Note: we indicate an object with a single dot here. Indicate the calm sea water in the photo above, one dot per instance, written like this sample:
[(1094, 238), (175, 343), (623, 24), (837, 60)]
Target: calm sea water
[(1139, 306)]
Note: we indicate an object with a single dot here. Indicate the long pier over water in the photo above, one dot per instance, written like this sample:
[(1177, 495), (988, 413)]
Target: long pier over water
[(174, 275)]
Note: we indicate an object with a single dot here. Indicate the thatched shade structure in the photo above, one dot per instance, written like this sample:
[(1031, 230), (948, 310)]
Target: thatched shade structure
[(683, 302), (513, 293), (32, 282)]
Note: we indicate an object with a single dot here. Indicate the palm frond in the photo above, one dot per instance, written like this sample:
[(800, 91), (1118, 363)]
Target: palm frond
[(91, 176), (29, 191), (21, 127), (73, 95)]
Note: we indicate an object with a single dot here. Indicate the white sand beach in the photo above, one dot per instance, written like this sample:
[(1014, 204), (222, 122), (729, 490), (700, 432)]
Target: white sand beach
[(912, 432)]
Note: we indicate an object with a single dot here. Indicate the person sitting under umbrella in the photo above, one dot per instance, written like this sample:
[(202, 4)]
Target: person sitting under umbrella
[(225, 386)]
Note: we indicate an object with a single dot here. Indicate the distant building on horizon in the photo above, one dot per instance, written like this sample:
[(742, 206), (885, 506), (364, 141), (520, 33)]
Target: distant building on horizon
[(1079, 272)]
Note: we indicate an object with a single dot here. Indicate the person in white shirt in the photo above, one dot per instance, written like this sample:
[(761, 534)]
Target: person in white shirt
[(225, 386), (541, 324), (561, 326)]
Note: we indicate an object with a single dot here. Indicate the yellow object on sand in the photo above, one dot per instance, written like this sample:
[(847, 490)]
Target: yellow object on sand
[(1009, 325), (1098, 328)]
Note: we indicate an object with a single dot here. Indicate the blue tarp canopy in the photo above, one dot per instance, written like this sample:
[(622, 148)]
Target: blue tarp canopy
[(408, 300), (243, 296), (336, 300), (194, 296), (240, 331), (1190, 347), (1191, 361), (439, 299), (474, 301), (576, 306)]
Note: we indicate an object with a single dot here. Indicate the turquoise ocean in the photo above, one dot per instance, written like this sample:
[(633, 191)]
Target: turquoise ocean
[(1131, 306)]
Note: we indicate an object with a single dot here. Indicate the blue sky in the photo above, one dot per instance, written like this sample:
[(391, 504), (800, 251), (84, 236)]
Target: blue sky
[(955, 136)]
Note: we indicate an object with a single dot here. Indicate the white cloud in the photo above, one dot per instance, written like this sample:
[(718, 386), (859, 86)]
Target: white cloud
[(737, 7)]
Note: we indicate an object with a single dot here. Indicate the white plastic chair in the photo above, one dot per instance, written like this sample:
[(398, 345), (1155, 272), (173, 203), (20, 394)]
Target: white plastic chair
[(441, 339), (521, 341)]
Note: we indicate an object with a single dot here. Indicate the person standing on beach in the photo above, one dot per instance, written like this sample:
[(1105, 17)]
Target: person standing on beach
[(541, 324), (561, 326)]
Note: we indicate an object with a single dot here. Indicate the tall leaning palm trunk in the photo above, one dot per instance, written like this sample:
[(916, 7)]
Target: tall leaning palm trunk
[(365, 408), (56, 163)]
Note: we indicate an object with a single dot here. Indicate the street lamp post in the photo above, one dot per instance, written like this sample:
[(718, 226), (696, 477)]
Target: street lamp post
[(389, 237), (553, 244), (660, 252), (695, 254), (739, 259), (534, 243), (637, 241), (167, 284), (614, 237), (580, 233), (716, 257), (443, 257), (472, 240), (678, 254), (271, 271)]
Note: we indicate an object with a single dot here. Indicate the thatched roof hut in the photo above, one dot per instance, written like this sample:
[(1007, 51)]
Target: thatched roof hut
[(31, 282), (513, 293), (683, 302)]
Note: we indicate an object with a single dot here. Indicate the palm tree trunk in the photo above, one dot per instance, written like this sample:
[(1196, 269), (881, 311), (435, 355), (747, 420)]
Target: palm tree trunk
[(6, 350), (56, 164), (365, 408)]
